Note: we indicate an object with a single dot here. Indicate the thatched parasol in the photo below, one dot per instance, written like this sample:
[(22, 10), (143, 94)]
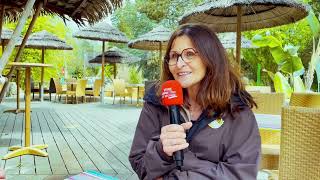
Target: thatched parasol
[(115, 55), (243, 15), (152, 40), (156, 39), (44, 40), (102, 32)]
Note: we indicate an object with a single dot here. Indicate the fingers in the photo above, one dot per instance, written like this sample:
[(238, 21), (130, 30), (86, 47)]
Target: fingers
[(172, 128), (172, 135), (173, 142), (169, 150), (186, 125)]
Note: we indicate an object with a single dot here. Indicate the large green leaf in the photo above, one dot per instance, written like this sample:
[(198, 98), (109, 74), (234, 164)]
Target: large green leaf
[(313, 23), (278, 55), (281, 84), (292, 64), (317, 68), (291, 49), (263, 41), (271, 74), (298, 85)]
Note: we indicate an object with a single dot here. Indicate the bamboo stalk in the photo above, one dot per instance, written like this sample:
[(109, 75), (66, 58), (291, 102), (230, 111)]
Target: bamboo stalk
[(12, 42)]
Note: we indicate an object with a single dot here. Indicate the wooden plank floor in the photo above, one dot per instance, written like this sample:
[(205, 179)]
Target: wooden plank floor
[(80, 137)]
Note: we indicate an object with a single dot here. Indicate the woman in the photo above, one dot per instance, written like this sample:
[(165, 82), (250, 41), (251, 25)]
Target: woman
[(219, 135)]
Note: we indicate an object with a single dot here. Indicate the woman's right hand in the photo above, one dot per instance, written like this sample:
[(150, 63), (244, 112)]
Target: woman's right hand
[(173, 137)]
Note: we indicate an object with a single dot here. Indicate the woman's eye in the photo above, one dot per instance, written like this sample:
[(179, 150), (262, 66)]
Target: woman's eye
[(173, 56), (190, 54)]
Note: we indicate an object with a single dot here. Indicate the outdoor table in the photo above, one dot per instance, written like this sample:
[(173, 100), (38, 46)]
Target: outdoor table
[(268, 121), (27, 149), (17, 110), (136, 86)]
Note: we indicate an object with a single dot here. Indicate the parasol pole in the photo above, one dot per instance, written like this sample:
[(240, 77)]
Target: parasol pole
[(160, 55), (102, 74), (114, 70), (238, 47), (42, 74)]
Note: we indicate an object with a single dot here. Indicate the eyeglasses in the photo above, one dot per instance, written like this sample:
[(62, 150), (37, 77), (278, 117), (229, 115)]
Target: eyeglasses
[(187, 55)]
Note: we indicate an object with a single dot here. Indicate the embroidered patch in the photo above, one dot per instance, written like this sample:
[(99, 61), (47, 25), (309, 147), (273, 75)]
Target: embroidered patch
[(216, 124)]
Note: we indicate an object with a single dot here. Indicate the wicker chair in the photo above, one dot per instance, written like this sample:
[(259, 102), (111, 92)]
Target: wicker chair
[(311, 100), (141, 93), (300, 143), (95, 92), (79, 92), (58, 89), (270, 147), (268, 103), (260, 89)]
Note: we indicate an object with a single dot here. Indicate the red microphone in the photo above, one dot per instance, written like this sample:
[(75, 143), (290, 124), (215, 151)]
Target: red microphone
[(172, 96)]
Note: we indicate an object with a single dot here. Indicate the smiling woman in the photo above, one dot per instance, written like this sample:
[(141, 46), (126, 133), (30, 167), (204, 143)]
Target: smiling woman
[(218, 133)]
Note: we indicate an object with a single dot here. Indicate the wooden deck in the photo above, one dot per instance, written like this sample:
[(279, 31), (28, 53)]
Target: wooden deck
[(80, 137)]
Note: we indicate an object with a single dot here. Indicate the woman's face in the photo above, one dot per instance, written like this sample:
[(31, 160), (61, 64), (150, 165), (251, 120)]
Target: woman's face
[(189, 70)]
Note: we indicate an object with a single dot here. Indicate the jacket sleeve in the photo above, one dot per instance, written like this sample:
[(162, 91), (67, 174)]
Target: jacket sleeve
[(146, 156), (241, 146)]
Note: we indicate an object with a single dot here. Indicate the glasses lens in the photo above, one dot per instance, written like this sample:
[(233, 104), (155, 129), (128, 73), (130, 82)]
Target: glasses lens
[(172, 58), (188, 55)]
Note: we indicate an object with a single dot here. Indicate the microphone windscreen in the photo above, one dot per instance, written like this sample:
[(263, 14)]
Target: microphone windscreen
[(171, 93)]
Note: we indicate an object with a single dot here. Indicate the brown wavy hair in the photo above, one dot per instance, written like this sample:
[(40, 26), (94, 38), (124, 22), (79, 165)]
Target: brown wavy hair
[(221, 81)]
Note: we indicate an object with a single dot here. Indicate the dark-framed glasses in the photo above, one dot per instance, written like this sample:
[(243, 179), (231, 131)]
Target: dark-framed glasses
[(187, 55)]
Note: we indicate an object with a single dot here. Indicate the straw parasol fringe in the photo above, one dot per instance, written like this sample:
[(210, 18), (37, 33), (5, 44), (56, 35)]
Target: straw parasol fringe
[(152, 39), (115, 55), (256, 14), (78, 10), (46, 40), (102, 32)]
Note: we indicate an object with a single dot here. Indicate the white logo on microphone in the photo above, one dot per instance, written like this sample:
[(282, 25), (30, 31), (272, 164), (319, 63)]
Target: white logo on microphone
[(169, 93)]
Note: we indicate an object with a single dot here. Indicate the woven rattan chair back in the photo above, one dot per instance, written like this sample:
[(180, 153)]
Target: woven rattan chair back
[(305, 100), (268, 103), (96, 87), (300, 143), (81, 87), (261, 89)]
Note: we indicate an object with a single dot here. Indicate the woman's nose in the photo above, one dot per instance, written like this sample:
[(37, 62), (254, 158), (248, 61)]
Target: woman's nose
[(180, 62)]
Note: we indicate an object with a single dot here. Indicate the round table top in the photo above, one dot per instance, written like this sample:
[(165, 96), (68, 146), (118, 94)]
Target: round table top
[(26, 64)]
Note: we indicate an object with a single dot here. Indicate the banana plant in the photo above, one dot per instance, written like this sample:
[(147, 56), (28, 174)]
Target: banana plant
[(314, 64), (287, 79)]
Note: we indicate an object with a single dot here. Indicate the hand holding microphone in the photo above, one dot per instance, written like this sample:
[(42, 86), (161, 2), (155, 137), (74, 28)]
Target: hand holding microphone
[(173, 136)]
